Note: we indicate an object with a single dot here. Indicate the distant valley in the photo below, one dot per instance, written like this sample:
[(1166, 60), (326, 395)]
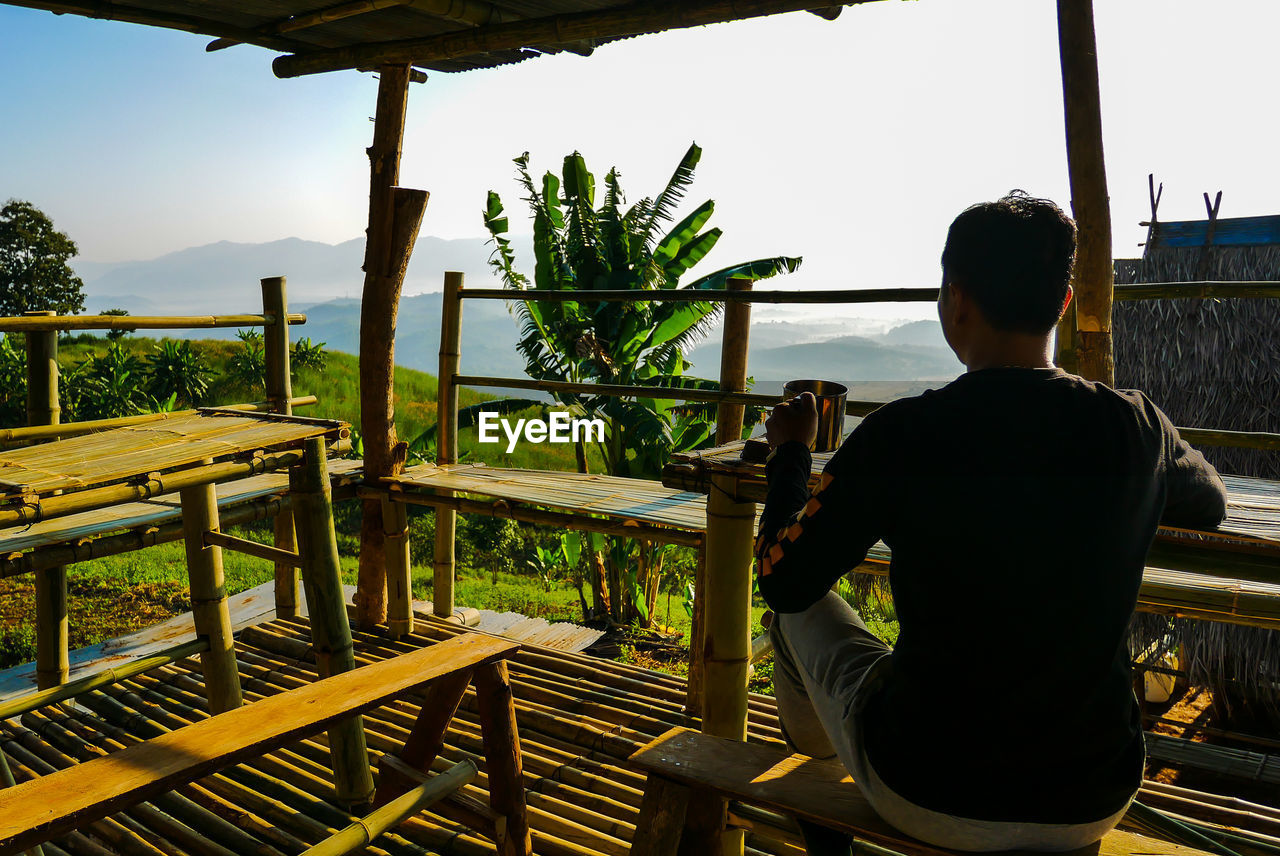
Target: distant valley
[(325, 281)]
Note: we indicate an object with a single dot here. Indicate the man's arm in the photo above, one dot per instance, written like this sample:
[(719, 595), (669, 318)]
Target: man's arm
[(807, 542), (1195, 496)]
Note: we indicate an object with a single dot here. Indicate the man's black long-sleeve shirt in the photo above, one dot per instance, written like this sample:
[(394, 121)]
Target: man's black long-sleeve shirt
[(1019, 505)]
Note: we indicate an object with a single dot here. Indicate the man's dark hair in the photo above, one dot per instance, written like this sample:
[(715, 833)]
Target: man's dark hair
[(1013, 257)]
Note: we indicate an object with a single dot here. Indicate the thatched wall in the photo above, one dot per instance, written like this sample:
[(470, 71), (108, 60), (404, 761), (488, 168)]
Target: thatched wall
[(1210, 364), (1207, 363)]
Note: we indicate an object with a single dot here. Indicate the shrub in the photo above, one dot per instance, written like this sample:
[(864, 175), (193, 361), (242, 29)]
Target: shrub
[(178, 370)]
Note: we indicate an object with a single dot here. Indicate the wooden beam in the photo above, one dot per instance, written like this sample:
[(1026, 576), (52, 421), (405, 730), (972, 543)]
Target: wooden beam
[(1094, 271), (633, 20), (388, 245)]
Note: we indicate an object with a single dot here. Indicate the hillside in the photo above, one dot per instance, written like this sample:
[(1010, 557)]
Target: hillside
[(337, 388)]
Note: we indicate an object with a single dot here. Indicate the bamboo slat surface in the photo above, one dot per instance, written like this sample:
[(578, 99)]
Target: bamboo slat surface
[(135, 450), (1253, 505), (641, 500), (580, 718), (151, 512)]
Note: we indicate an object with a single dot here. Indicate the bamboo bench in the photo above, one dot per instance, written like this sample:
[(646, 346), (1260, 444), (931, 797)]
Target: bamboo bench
[(52, 805), (682, 764)]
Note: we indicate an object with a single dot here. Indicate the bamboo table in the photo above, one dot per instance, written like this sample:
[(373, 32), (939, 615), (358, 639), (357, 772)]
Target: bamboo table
[(1231, 573), (92, 474)]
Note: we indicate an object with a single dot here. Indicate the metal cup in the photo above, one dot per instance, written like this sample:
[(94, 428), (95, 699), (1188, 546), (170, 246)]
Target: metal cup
[(831, 398)]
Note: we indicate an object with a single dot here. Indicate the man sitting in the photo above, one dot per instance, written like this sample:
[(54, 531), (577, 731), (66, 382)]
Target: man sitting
[(1019, 502)]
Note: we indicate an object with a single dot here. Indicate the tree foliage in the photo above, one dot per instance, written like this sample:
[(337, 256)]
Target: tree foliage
[(34, 270), (583, 248)]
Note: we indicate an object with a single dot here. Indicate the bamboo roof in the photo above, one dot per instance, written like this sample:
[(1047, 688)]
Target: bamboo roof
[(441, 35)]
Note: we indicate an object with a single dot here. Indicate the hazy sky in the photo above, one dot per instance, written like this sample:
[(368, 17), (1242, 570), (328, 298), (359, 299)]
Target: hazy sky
[(852, 143)]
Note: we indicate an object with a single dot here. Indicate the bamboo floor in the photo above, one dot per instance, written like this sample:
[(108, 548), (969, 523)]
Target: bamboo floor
[(579, 719)]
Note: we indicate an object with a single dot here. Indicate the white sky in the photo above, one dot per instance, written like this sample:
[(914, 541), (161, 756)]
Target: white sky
[(852, 143)]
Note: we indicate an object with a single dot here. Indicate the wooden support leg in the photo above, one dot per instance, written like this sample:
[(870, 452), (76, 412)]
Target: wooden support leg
[(52, 665), (727, 646), (426, 739), (697, 637), (52, 662), (209, 598), (662, 815), (395, 528), (497, 711), (279, 389), (330, 628)]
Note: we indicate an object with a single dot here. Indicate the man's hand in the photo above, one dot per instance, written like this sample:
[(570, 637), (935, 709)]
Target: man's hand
[(795, 419)]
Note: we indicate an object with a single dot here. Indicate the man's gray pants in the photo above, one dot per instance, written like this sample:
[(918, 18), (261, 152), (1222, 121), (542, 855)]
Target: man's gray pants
[(826, 665)]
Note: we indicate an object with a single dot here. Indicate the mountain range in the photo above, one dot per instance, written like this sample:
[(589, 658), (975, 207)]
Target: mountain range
[(325, 281)]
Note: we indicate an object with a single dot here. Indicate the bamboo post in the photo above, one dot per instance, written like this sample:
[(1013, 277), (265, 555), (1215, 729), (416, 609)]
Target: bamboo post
[(280, 397), (395, 533), (447, 440), (209, 598), (330, 629), (726, 644), (1094, 270), (52, 665), (394, 216)]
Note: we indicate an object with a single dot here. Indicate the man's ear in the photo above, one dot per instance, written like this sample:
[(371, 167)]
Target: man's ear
[(1066, 301)]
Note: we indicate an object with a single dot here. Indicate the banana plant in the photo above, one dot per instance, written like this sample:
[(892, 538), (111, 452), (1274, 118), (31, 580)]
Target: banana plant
[(582, 246)]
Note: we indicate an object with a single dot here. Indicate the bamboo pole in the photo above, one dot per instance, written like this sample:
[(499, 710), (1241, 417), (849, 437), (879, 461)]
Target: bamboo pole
[(253, 548), (725, 647), (84, 550), (1094, 270), (331, 632), (209, 597), (606, 295), (279, 389), (52, 665), (50, 321), (91, 426), (364, 831), (7, 781), (70, 689), (394, 217), (447, 440), (395, 526), (631, 20), (1130, 291)]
